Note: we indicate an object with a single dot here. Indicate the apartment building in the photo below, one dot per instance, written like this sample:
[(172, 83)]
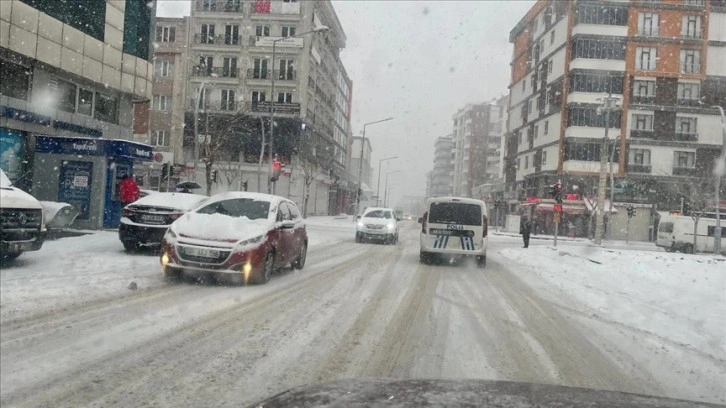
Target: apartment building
[(663, 61), (71, 77), (471, 125), (232, 70), (441, 182)]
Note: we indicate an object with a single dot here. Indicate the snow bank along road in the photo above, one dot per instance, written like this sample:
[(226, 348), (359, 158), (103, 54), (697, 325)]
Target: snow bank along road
[(73, 335)]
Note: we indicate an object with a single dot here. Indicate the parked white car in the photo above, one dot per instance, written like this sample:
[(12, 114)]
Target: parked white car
[(377, 224), (22, 227)]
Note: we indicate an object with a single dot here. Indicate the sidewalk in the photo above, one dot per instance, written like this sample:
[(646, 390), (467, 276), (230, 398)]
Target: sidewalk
[(610, 244), (536, 236)]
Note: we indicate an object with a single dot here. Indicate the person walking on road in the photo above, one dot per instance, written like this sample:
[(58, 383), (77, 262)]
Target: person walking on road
[(525, 228), (128, 190)]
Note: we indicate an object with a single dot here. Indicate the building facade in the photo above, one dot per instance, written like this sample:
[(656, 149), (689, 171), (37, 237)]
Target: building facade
[(664, 62), (362, 146), (471, 125), (71, 77), (441, 180), (231, 74)]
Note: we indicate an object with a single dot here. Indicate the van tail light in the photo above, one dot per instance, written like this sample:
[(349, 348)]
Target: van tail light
[(485, 225), (424, 221)]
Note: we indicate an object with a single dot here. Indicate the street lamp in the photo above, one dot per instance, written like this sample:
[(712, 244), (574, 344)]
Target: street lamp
[(609, 104), (360, 162), (719, 169), (319, 29), (378, 186), (388, 189), (385, 196), (196, 123)]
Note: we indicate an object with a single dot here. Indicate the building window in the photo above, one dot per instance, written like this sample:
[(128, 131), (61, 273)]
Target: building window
[(584, 150), (231, 34), (599, 83), (526, 162), (262, 31), (85, 102), (519, 138), (206, 65), (160, 138), (589, 116), (106, 107), (684, 159), (689, 93), (645, 58), (207, 5), (534, 25), (206, 35), (519, 164), (693, 2), (643, 91), (161, 103), (15, 80), (258, 96), (598, 49), (165, 34), (691, 26), (601, 14), (284, 97), (544, 157), (639, 157), (552, 37), (66, 93), (228, 101), (648, 24), (229, 67), (286, 69), (541, 47), (163, 68), (524, 84), (546, 127), (288, 31), (203, 102), (260, 68), (690, 61), (550, 64), (643, 122), (137, 26), (536, 131), (686, 125), (529, 106)]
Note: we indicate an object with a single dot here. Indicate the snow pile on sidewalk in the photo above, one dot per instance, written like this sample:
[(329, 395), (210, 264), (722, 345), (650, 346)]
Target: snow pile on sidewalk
[(681, 298)]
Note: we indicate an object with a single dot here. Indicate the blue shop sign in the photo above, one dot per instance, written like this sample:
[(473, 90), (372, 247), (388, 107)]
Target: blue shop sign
[(93, 147)]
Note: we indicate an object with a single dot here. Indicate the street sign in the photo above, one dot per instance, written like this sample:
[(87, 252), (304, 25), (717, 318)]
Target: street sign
[(556, 217)]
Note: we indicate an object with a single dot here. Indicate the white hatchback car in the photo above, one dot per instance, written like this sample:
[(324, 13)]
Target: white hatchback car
[(376, 223), (454, 226)]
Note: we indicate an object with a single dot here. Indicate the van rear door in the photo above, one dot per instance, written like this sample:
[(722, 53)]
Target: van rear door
[(455, 226)]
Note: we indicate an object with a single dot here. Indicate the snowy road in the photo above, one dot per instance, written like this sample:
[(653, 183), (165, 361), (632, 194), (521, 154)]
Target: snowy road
[(354, 311)]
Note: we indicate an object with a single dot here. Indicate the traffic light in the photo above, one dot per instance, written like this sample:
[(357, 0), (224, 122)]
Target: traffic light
[(244, 185), (558, 192), (276, 170), (631, 211), (164, 171), (214, 176)]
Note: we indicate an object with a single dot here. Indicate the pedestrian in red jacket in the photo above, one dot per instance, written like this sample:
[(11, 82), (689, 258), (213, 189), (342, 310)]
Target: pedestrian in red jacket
[(128, 190)]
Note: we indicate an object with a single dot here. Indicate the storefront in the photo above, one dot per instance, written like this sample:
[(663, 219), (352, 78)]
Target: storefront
[(85, 173), (14, 156)]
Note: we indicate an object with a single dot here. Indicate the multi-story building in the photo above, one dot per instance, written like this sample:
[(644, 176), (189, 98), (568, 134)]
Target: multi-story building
[(471, 125), (168, 103), (70, 77), (442, 176), (664, 61), (237, 49)]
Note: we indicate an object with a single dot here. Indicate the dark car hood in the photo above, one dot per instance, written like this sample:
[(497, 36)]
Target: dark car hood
[(460, 393)]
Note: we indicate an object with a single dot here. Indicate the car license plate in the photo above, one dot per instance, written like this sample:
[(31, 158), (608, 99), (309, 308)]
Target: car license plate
[(152, 218), (19, 246), (201, 252)]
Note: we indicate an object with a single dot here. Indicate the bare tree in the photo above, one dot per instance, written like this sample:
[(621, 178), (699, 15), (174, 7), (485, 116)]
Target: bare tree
[(225, 145), (316, 158)]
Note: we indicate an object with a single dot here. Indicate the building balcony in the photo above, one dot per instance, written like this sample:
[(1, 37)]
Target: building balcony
[(216, 106), (219, 6), (643, 99), (265, 7), (639, 168), (692, 36), (216, 72), (689, 102), (686, 136), (216, 40), (642, 133), (648, 32), (289, 75), (684, 171)]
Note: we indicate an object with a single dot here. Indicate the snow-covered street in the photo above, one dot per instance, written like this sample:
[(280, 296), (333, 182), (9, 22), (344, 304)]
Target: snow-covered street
[(628, 319)]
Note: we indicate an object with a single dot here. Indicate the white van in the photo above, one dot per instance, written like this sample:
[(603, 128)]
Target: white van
[(454, 226), (675, 233), (22, 227)]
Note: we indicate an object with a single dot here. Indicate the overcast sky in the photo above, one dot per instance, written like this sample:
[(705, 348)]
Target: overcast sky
[(418, 61)]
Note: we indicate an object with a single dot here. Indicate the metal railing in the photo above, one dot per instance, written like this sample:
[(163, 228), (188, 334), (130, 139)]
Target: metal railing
[(684, 171), (288, 75), (686, 136), (225, 6), (219, 72), (642, 133), (220, 39), (639, 168), (223, 106), (643, 100)]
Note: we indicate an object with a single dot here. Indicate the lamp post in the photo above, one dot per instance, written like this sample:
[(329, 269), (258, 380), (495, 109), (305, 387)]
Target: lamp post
[(718, 171), (608, 105), (378, 185), (196, 123), (360, 162), (385, 197), (320, 29)]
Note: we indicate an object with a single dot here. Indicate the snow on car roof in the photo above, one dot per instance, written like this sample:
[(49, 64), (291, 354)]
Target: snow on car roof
[(229, 195), (455, 200), (182, 201)]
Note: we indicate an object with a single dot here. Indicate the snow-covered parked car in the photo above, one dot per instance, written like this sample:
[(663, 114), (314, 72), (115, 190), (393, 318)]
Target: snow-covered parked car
[(244, 236), (21, 221), (145, 221)]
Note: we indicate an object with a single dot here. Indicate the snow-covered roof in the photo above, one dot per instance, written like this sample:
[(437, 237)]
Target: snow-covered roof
[(229, 195), (182, 201)]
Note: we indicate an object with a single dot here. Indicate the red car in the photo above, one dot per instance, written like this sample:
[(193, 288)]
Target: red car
[(245, 236)]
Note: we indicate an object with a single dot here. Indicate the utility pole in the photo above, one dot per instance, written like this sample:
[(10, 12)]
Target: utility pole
[(608, 105), (360, 164), (718, 171)]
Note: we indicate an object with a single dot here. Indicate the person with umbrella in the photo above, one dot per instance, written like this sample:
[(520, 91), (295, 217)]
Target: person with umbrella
[(187, 186)]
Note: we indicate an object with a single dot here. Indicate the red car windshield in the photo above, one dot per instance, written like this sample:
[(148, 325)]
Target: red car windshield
[(238, 207)]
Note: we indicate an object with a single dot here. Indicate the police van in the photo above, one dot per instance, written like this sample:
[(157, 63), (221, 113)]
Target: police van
[(454, 227)]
